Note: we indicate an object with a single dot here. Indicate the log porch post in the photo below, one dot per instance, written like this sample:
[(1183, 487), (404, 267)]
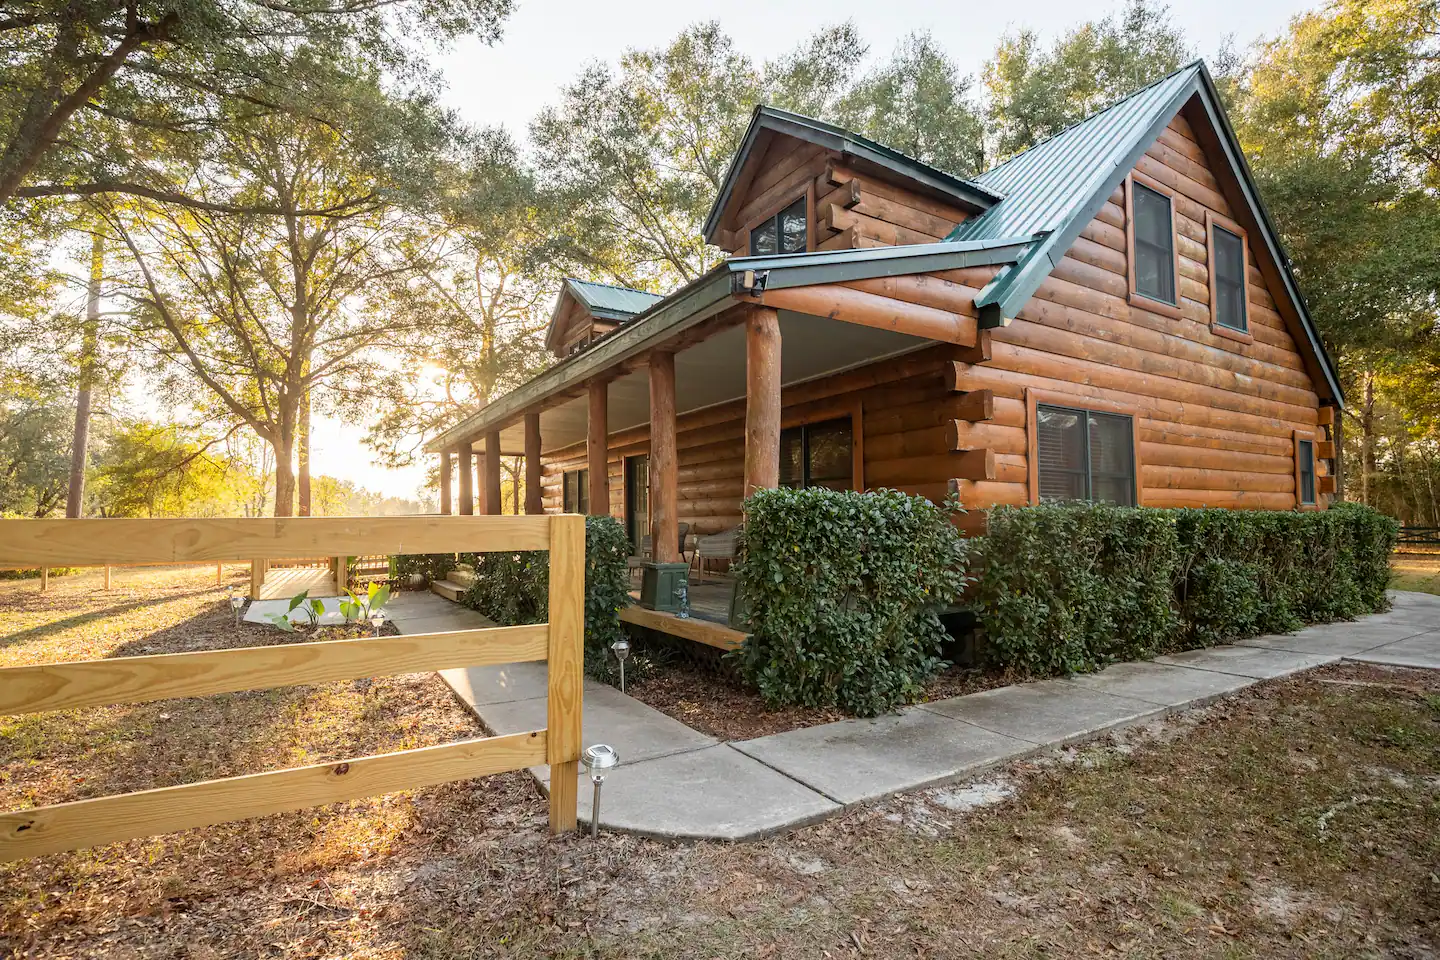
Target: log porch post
[(492, 472), (445, 482), (596, 448), (664, 503), (533, 502), (762, 400), (467, 480)]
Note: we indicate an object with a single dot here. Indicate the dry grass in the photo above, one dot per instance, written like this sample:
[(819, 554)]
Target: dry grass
[(1300, 819), (1415, 571)]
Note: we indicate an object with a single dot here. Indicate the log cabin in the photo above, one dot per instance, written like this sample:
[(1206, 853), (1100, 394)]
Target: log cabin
[(1108, 315)]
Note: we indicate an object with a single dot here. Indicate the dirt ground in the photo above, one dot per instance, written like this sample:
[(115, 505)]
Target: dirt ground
[(1299, 819)]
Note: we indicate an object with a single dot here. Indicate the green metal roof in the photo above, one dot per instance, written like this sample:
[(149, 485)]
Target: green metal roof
[(1055, 188), (611, 303)]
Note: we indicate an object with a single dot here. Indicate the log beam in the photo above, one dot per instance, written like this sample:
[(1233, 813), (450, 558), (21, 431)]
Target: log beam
[(871, 310), (597, 447), (762, 400), (492, 472), (534, 501), (664, 509)]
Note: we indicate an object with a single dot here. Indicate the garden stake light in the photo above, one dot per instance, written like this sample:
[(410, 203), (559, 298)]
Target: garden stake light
[(236, 602), (598, 759), (377, 620), (621, 649)]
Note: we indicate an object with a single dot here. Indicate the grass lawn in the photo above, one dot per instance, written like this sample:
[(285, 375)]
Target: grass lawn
[(1301, 818), (1415, 571)]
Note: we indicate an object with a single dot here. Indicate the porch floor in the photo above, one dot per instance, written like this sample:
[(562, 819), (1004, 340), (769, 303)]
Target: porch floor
[(282, 583), (709, 620)]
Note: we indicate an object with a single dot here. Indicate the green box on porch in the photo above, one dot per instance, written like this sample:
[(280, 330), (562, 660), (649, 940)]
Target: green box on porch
[(660, 585)]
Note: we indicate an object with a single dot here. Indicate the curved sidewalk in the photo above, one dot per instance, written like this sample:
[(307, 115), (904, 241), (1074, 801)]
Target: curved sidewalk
[(675, 782)]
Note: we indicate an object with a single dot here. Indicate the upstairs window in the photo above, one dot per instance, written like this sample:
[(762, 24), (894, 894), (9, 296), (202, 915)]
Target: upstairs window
[(1152, 225), (818, 455), (1084, 455), (1305, 471), (575, 491), (786, 232), (1227, 276)]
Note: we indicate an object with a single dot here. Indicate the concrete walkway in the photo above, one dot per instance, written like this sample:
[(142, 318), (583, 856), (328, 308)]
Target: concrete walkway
[(676, 782)]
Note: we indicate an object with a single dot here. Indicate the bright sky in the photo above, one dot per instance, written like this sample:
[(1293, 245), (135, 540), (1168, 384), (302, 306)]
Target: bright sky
[(546, 43)]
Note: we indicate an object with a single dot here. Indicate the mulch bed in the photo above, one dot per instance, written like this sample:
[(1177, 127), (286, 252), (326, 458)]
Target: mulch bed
[(709, 698)]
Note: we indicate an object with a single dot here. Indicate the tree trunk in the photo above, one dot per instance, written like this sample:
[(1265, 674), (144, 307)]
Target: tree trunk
[(1367, 438), (89, 346), (303, 449), (284, 445)]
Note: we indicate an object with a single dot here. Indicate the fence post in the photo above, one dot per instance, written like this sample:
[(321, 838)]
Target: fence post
[(565, 666)]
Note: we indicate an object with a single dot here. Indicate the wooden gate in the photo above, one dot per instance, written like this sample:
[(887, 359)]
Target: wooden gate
[(94, 683)]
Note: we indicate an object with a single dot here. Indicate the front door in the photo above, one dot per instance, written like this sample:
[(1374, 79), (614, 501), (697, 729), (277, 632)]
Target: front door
[(637, 499)]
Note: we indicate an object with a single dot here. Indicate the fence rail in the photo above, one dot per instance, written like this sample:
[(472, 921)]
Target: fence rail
[(93, 683), (1429, 536)]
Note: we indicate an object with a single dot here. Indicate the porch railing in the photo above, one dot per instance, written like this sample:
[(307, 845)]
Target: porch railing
[(94, 683)]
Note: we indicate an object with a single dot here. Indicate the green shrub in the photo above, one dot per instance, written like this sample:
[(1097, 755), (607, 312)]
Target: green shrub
[(432, 566), (844, 592), (513, 588), (1071, 587)]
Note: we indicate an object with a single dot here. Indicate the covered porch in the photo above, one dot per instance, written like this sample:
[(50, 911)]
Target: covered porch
[(810, 370)]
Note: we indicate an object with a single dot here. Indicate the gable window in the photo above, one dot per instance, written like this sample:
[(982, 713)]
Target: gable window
[(1152, 224), (786, 232), (1228, 258), (1084, 455), (818, 455), (1305, 471), (575, 491)]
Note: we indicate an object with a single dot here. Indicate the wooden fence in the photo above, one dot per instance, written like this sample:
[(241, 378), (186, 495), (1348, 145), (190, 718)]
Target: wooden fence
[(94, 683)]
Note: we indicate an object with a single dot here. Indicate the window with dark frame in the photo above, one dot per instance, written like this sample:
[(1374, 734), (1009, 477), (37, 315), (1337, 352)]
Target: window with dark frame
[(818, 455), (1229, 279), (1305, 452), (1153, 226), (1084, 455), (575, 491), (786, 232)]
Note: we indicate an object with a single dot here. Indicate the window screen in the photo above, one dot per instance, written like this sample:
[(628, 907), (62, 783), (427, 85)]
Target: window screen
[(1154, 245), (818, 455), (575, 491), (1229, 279), (1085, 456), (1305, 451), (783, 233)]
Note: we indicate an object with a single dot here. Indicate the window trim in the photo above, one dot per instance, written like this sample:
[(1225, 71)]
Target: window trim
[(854, 409), (807, 193), (1135, 297), (1074, 401), (1212, 221), (1298, 437)]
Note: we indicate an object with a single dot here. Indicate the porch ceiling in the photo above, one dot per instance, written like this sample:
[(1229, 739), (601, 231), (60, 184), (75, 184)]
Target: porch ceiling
[(713, 372)]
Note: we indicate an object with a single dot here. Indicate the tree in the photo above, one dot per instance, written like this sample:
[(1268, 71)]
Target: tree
[(1034, 92), (34, 441), (93, 80), (920, 104), (260, 310)]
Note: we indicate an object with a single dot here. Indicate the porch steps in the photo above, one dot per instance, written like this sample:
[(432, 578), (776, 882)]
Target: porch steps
[(448, 589)]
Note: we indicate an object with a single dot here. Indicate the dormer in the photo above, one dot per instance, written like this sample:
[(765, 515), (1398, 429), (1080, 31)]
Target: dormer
[(799, 185), (585, 312)]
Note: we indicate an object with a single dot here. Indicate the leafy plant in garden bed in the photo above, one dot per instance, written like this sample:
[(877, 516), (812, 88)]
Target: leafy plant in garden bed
[(513, 588), (1072, 586), (844, 592)]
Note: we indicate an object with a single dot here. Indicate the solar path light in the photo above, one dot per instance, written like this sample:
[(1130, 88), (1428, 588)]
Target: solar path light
[(237, 600), (621, 649), (598, 759)]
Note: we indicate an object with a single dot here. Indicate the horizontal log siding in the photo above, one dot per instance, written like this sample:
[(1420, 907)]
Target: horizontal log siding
[(1217, 416)]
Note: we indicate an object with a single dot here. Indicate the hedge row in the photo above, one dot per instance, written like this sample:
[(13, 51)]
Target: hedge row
[(1072, 587), (843, 593)]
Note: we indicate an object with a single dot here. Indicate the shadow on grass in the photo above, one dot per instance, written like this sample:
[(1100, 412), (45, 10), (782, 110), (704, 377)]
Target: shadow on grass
[(55, 627)]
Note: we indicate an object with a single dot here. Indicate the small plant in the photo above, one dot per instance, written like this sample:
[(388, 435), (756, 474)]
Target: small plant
[(313, 609), (356, 609)]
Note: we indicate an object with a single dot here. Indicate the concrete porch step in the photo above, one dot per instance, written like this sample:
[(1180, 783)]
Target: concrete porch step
[(448, 589)]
